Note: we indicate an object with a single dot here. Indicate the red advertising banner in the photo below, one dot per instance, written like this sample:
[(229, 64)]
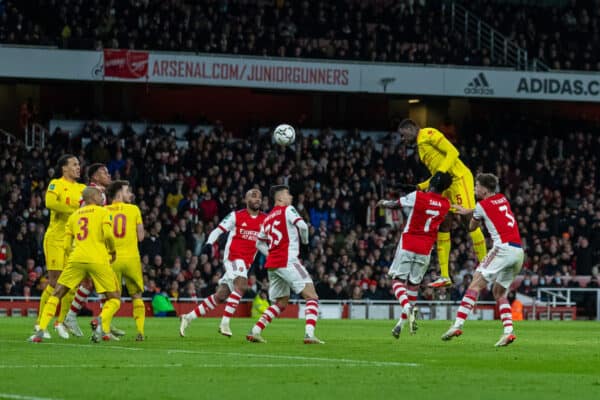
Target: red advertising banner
[(125, 64)]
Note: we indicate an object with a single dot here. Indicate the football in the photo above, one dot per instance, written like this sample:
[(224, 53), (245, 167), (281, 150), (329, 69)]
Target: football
[(284, 135)]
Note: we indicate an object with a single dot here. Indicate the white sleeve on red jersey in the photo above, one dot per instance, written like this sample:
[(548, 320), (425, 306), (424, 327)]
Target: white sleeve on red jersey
[(262, 241), (227, 225), (478, 214), (292, 217), (408, 200)]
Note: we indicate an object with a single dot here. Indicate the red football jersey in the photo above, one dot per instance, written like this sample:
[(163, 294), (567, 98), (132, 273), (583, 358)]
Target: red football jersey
[(499, 219), (427, 212), (244, 229), (280, 232)]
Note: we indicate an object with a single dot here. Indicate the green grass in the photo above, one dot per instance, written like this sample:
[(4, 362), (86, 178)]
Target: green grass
[(361, 360)]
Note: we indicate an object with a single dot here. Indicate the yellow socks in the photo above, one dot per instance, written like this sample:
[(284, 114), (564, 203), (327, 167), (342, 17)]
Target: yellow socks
[(139, 315), (65, 304), (48, 312), (109, 309), (443, 251), (478, 244), (44, 298)]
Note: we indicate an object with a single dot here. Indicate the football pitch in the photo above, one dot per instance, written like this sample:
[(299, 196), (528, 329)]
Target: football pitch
[(360, 360)]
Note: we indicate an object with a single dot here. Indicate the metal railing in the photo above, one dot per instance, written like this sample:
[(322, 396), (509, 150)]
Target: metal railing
[(9, 137), (502, 49), (561, 297), (35, 136)]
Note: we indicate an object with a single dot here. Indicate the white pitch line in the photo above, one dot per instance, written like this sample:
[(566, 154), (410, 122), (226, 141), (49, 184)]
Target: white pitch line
[(87, 346), (290, 357), (116, 366), (19, 397), (215, 365)]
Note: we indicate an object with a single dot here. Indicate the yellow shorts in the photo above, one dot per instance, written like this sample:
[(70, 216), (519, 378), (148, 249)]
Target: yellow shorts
[(462, 191), (103, 276), (131, 270), (55, 256)]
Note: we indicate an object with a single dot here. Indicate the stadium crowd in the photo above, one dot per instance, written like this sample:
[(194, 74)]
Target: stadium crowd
[(409, 31), (183, 192)]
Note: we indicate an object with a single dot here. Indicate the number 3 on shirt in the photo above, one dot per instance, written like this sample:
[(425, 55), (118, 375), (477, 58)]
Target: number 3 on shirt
[(119, 231), (83, 228), (508, 215)]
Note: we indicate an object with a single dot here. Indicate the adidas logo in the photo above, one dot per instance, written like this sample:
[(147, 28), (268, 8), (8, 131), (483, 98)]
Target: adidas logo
[(479, 85), (244, 224)]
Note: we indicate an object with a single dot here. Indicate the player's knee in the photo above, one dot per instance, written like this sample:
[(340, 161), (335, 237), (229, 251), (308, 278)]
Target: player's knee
[(60, 291)]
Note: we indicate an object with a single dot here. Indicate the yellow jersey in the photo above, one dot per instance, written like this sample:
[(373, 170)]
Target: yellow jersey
[(438, 154), (91, 230), (125, 219), (62, 199)]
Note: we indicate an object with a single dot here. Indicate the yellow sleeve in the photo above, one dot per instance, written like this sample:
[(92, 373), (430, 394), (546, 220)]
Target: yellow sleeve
[(107, 230), (451, 154), (423, 185), (138, 216), (53, 200)]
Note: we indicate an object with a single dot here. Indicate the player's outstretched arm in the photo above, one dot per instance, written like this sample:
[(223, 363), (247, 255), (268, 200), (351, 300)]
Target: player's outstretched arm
[(388, 204), (458, 209)]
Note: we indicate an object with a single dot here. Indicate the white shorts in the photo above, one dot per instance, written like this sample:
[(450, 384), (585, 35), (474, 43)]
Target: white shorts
[(502, 264), (409, 266), (281, 280), (233, 269)]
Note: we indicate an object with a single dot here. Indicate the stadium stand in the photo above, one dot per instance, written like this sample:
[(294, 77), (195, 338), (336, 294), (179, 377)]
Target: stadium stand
[(564, 36)]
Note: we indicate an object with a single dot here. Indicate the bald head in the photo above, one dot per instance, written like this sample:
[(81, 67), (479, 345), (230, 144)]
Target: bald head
[(253, 200), (92, 195)]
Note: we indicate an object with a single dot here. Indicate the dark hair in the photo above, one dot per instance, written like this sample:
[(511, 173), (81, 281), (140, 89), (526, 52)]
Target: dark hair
[(114, 187), (276, 189), (440, 181), (92, 169), (407, 123), (62, 161), (488, 181)]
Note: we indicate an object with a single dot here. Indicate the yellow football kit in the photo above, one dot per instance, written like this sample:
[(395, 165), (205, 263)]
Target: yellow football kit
[(125, 219), (62, 199), (439, 155), (88, 233), (90, 228)]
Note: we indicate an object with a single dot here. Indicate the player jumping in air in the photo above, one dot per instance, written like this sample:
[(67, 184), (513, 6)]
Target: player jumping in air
[(426, 211), (503, 262), (439, 155)]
